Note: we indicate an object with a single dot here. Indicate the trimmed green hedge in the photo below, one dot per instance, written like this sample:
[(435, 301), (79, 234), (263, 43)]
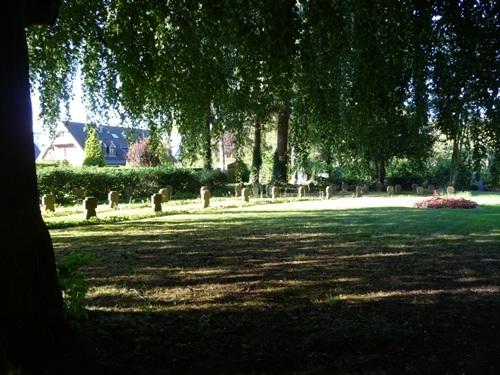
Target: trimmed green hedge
[(70, 185)]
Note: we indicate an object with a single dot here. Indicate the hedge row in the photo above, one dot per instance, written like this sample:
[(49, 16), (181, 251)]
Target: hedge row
[(70, 185)]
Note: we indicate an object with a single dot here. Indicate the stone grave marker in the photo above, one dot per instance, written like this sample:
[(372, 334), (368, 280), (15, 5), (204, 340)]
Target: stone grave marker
[(166, 193), (90, 204), (390, 190), (274, 192), (206, 198), (48, 202), (237, 190), (301, 192), (113, 197), (358, 191), (414, 188), (202, 189), (156, 200), (397, 188), (450, 190), (245, 195), (420, 190), (329, 192)]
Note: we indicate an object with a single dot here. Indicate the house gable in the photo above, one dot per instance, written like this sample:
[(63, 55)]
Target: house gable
[(69, 143)]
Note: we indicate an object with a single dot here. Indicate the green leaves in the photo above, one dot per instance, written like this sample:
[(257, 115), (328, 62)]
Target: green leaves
[(93, 150)]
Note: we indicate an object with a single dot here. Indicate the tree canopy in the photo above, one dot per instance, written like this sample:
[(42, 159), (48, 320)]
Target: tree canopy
[(363, 81)]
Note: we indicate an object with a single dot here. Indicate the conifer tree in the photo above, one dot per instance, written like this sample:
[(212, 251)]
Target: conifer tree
[(93, 151)]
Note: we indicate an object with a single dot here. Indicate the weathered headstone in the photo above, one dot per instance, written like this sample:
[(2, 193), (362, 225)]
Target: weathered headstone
[(450, 190), (344, 187), (274, 192), (202, 189), (301, 192), (397, 188), (245, 195), (431, 188), (205, 196), (358, 191), (90, 204), (48, 202), (113, 197), (390, 190), (329, 192), (420, 190), (237, 190), (414, 188), (156, 200), (166, 193)]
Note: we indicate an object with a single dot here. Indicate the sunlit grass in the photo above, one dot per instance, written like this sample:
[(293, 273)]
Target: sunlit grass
[(310, 269)]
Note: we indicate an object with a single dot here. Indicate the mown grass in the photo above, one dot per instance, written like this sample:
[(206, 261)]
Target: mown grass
[(294, 288)]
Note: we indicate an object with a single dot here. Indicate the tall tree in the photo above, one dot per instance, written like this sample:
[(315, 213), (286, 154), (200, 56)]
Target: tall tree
[(465, 74), (93, 150), (32, 312)]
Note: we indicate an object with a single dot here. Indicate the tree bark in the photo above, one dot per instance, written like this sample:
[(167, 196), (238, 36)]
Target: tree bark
[(381, 171), (280, 165), (222, 154), (31, 315), (455, 161), (257, 151), (207, 143)]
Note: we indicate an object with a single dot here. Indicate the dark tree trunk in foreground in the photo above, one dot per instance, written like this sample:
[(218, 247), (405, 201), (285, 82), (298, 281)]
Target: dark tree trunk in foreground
[(280, 165), (31, 312), (257, 152)]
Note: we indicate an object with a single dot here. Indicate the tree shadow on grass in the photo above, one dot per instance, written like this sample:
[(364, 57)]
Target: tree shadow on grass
[(358, 291)]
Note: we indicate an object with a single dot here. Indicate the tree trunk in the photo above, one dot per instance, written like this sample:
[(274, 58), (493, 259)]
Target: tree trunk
[(222, 154), (257, 151), (31, 315), (207, 143), (381, 171), (455, 161), (280, 165)]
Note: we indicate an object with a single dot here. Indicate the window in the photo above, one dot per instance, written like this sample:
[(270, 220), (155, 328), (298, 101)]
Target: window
[(104, 148), (112, 149)]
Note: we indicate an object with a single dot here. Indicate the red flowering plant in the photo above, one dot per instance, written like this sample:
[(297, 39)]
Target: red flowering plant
[(445, 202)]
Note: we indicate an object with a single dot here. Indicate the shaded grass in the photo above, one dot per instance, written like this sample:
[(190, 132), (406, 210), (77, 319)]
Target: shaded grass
[(379, 290)]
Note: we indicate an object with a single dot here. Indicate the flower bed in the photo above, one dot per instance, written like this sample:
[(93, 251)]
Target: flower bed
[(445, 202)]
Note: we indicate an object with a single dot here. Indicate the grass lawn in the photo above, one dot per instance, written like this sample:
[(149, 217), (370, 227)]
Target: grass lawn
[(349, 286)]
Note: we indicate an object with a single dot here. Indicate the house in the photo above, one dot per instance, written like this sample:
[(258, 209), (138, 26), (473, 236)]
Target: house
[(70, 137)]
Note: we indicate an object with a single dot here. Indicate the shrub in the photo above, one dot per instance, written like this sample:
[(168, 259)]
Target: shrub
[(215, 179), (71, 185), (446, 202), (93, 151), (73, 284), (141, 154)]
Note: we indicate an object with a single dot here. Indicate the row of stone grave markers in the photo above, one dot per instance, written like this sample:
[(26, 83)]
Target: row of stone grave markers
[(164, 195)]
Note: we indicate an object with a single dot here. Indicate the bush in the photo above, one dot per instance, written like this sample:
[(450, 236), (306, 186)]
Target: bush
[(140, 154), (446, 202), (93, 151), (73, 284), (215, 179), (71, 185)]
